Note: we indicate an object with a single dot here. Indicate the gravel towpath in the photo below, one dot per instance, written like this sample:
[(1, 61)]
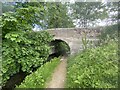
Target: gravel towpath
[(59, 75)]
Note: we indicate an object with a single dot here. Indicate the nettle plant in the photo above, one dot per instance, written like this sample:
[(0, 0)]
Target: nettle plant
[(22, 48)]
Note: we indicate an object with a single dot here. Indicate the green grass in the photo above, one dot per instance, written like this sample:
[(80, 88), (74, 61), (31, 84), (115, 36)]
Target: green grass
[(39, 78), (94, 68)]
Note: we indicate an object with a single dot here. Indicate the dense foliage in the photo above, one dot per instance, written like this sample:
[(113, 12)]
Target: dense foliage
[(28, 54), (48, 14), (109, 32), (22, 49), (66, 15), (39, 78), (94, 68)]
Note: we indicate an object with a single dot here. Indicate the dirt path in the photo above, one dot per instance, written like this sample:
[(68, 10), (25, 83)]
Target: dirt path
[(59, 75)]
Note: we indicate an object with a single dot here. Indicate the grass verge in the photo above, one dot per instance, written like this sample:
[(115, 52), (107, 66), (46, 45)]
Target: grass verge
[(39, 78)]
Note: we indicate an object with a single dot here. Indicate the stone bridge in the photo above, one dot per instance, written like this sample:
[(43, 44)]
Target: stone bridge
[(73, 36)]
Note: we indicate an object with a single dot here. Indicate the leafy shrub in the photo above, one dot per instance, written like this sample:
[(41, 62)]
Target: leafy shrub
[(22, 49), (26, 54), (94, 68), (39, 78)]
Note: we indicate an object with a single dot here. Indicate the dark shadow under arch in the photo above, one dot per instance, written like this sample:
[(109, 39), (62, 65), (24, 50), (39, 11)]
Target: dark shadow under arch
[(59, 48)]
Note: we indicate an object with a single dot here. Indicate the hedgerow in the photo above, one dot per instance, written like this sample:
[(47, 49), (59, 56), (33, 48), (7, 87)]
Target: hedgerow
[(94, 68), (38, 79)]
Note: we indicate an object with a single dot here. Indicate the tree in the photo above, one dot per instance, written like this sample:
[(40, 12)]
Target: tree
[(22, 49), (47, 14), (87, 12), (58, 16), (6, 7), (112, 10)]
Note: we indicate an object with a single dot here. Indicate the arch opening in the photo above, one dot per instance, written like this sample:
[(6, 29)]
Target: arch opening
[(59, 48)]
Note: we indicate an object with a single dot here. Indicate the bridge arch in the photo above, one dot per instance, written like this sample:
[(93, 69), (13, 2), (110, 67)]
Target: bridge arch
[(60, 47), (73, 36)]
